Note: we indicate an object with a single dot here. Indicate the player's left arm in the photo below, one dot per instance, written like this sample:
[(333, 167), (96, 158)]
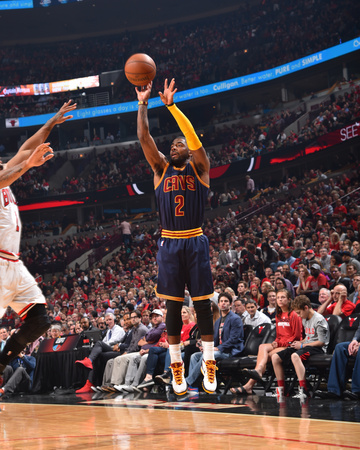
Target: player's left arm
[(199, 156), (29, 146)]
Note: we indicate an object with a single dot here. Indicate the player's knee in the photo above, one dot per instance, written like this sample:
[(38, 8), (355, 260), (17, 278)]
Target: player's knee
[(35, 324), (295, 357), (275, 358), (173, 317)]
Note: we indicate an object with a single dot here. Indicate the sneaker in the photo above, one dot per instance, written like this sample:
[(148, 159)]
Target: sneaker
[(146, 385), (95, 389), (303, 395), (128, 388), (119, 387), (85, 362), (108, 389), (163, 379), (86, 388), (280, 395), (178, 382), (2, 392), (208, 369)]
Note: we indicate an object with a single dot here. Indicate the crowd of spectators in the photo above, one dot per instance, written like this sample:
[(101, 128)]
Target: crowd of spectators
[(251, 39), (126, 165), (306, 245)]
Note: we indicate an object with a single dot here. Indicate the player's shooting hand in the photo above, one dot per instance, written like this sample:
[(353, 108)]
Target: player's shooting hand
[(66, 107), (143, 93), (167, 97), (41, 154)]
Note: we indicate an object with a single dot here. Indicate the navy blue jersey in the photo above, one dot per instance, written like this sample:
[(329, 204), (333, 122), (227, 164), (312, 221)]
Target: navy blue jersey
[(181, 198)]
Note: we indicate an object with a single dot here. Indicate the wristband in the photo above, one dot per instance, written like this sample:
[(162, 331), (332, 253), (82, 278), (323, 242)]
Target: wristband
[(301, 346), (143, 103), (170, 104)]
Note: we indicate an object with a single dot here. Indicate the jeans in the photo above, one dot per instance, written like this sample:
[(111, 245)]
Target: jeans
[(337, 376), (155, 354)]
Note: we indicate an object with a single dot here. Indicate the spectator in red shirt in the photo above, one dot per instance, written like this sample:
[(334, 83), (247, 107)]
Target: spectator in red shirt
[(316, 281), (339, 208), (338, 304)]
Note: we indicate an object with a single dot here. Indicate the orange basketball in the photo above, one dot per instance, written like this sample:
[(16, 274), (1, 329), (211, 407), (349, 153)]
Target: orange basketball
[(140, 69)]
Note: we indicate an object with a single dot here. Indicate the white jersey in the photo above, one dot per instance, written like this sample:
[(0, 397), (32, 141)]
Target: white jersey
[(10, 225)]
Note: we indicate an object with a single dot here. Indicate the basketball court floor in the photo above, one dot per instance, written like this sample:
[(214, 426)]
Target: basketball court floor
[(64, 420)]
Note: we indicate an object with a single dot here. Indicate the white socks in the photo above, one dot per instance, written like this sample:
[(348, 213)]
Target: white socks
[(208, 350), (175, 353)]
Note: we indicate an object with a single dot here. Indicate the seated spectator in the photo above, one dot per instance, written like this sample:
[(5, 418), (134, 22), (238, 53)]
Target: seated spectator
[(324, 295), (228, 340), (285, 283), (325, 259), (240, 309), (242, 291), (160, 354), (317, 280), (23, 368), (347, 259), (270, 309), (115, 369), (255, 317), (113, 336), (317, 337), (4, 335), (304, 281), (85, 324), (337, 278), (338, 370), (354, 296), (55, 331), (338, 304), (256, 296), (288, 330), (136, 367)]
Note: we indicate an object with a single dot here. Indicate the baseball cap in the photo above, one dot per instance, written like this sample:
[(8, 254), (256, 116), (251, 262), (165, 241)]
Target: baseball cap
[(316, 267), (310, 251), (158, 312)]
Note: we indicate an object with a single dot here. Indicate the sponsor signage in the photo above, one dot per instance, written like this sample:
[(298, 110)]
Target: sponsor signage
[(50, 88), (210, 89)]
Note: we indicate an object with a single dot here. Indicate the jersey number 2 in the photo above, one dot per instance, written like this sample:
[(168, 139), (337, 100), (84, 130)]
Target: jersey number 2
[(179, 200)]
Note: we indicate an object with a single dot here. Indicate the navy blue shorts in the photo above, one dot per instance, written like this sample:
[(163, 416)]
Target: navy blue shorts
[(184, 262)]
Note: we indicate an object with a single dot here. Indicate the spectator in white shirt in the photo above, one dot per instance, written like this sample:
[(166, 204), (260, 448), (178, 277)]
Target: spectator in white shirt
[(255, 317)]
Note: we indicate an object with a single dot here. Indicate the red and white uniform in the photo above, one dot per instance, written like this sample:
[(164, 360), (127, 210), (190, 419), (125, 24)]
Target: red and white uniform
[(18, 287)]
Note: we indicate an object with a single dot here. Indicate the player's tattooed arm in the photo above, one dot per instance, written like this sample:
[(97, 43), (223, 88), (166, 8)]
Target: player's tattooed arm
[(10, 174)]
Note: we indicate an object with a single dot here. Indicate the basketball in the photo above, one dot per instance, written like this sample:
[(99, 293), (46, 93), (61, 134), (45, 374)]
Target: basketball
[(140, 69)]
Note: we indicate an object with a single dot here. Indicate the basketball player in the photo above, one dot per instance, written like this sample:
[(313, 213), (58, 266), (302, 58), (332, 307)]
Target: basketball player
[(18, 288), (181, 188)]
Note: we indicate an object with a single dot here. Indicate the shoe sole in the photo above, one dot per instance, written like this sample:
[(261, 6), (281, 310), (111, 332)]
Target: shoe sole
[(207, 390), (180, 393)]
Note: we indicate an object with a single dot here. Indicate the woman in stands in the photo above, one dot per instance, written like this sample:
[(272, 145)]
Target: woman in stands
[(255, 295), (288, 329), (304, 281)]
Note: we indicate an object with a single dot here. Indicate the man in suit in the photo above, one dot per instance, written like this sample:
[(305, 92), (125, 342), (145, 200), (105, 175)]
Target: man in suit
[(228, 338), (228, 259)]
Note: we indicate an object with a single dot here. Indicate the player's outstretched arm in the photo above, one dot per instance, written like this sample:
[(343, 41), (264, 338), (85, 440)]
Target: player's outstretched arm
[(41, 135), (155, 158), (38, 157), (194, 144)]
